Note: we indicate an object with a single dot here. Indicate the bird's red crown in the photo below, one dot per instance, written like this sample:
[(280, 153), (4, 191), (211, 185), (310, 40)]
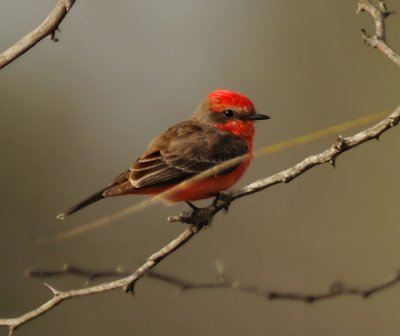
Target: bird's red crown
[(221, 99)]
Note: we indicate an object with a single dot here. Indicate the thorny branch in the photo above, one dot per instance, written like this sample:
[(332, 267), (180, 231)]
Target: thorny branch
[(126, 283), (201, 217), (222, 280), (48, 27)]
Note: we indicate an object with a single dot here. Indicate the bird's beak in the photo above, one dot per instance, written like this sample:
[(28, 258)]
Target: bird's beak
[(257, 116)]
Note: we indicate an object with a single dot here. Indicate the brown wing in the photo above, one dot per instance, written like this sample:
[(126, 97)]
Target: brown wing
[(184, 151)]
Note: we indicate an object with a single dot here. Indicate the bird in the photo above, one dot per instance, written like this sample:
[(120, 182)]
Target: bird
[(221, 128)]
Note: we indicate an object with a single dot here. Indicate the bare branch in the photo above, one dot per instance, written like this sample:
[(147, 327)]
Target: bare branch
[(379, 13), (48, 27), (126, 283), (222, 280)]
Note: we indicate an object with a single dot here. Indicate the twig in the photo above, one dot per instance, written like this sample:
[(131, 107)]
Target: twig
[(127, 282), (48, 27), (379, 13), (222, 280)]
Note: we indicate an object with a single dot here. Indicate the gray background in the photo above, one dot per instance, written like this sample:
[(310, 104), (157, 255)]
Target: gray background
[(76, 113)]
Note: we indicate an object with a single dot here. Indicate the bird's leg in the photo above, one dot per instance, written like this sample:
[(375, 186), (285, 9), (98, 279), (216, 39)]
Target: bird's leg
[(220, 197), (194, 208)]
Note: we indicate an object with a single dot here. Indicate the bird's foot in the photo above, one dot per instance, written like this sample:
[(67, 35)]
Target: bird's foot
[(201, 217), (198, 216)]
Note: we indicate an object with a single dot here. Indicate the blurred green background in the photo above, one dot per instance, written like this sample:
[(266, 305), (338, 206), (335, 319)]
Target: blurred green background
[(76, 113)]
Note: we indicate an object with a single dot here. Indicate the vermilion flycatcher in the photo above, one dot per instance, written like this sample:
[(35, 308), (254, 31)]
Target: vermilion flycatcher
[(221, 128)]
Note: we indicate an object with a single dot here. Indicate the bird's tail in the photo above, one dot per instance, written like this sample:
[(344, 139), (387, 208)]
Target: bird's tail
[(120, 186), (87, 201)]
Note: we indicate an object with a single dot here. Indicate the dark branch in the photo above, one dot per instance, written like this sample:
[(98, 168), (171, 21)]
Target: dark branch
[(224, 281)]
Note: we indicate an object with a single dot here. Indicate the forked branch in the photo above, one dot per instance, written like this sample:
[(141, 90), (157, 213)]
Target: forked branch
[(379, 13)]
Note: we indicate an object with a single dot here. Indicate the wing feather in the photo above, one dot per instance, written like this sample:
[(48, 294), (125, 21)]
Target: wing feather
[(183, 151)]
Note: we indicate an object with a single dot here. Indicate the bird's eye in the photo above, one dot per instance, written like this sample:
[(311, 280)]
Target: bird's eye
[(229, 113)]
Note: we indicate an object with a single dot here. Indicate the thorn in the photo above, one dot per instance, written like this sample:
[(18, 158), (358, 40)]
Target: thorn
[(130, 288), (60, 216), (53, 290), (364, 35), (53, 35), (388, 13), (333, 162), (340, 143), (383, 9), (377, 137)]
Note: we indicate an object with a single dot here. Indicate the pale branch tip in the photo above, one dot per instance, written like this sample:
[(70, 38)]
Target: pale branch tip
[(52, 289)]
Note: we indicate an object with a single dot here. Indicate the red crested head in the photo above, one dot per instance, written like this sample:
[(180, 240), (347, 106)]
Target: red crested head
[(221, 100), (229, 111)]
